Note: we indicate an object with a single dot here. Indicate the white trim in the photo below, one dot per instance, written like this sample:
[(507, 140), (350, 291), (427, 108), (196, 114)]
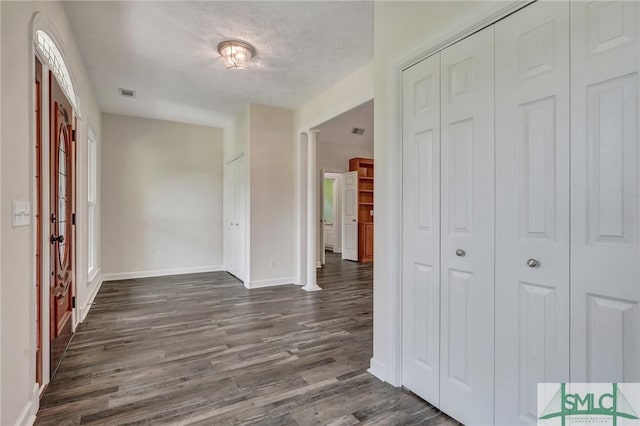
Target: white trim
[(27, 416), (377, 369), (269, 283), (478, 18), (161, 272), (97, 284), (318, 265)]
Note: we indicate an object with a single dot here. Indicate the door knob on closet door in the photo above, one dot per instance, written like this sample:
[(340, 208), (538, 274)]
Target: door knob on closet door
[(532, 263), (353, 220), (461, 253)]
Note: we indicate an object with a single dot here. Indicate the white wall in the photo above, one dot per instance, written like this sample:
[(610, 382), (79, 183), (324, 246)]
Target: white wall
[(334, 157), (161, 197), (19, 399), (271, 201), (354, 90), (398, 27)]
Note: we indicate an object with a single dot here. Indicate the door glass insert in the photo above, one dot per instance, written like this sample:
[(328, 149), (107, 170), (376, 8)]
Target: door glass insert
[(63, 157)]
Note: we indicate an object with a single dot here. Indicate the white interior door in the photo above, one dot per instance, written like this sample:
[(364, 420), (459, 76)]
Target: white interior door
[(605, 192), (230, 208), (235, 186), (241, 215), (350, 218), (467, 229), (421, 229), (532, 207)]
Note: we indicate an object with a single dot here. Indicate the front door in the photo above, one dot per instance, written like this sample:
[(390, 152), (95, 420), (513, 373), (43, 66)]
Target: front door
[(62, 200)]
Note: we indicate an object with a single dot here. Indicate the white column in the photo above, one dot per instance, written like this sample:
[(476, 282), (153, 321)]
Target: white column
[(312, 212)]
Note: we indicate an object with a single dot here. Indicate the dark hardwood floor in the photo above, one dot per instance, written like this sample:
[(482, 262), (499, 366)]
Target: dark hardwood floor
[(202, 349)]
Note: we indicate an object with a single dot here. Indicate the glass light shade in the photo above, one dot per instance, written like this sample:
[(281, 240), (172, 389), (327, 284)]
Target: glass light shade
[(236, 54)]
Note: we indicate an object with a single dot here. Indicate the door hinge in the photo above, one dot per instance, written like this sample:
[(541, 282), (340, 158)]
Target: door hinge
[(53, 218), (73, 302), (73, 135), (73, 219)]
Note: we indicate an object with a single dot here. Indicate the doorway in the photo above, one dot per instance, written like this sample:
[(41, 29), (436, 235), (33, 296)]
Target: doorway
[(54, 201)]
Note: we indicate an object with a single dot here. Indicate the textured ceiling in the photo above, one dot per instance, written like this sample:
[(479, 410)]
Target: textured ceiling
[(339, 129), (166, 51)]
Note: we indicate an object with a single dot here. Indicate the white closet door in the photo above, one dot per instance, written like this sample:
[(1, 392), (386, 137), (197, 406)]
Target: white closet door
[(532, 207), (230, 203), (240, 214), (421, 229), (605, 193), (467, 229)]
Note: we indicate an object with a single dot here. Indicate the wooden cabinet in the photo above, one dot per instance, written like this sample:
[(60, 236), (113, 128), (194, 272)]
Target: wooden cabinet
[(364, 167)]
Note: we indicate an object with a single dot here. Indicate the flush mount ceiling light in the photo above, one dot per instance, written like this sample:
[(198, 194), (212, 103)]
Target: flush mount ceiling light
[(236, 53)]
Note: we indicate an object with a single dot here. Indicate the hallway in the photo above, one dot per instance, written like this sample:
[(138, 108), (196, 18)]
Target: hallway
[(202, 349)]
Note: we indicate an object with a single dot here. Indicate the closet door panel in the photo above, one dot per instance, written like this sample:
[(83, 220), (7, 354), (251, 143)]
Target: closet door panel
[(421, 229), (467, 229), (532, 207), (605, 198)]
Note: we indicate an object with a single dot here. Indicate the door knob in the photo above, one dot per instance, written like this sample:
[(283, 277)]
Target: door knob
[(460, 253), (58, 239), (353, 220), (532, 263)]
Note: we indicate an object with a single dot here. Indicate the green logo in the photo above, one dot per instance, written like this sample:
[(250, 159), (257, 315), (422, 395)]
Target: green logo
[(613, 404)]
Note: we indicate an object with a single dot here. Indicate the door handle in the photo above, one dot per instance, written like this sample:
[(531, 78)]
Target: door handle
[(58, 239), (532, 263), (353, 220), (460, 253)]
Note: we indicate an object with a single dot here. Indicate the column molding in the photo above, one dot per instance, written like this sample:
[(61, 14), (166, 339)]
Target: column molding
[(312, 214)]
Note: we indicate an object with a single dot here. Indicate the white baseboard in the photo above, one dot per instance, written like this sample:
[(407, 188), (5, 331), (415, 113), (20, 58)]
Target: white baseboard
[(161, 272), (28, 414), (84, 310), (377, 369), (269, 283)]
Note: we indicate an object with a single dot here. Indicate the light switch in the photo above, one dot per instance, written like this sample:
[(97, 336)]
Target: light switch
[(21, 213)]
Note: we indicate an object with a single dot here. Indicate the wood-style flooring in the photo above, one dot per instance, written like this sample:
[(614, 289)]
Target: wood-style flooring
[(201, 349)]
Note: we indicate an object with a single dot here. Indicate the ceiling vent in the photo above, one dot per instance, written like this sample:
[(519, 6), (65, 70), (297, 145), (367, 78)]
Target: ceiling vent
[(357, 131), (127, 93)]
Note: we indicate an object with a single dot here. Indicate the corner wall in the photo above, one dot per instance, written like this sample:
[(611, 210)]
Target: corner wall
[(271, 200), (18, 393), (161, 197)]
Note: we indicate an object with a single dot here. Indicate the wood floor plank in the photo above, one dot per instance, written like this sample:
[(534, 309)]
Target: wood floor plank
[(200, 349)]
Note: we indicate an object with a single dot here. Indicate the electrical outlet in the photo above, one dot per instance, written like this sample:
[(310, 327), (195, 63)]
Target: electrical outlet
[(274, 262)]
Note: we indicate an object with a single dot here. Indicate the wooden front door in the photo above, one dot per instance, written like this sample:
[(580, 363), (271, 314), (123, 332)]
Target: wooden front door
[(62, 200)]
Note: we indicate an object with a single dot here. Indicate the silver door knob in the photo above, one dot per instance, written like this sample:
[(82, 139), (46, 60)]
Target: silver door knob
[(460, 253), (532, 263)]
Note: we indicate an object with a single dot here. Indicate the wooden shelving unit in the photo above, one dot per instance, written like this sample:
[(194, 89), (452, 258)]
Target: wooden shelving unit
[(364, 167)]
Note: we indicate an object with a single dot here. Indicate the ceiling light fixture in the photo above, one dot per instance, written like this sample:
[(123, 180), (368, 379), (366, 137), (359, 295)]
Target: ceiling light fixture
[(236, 53)]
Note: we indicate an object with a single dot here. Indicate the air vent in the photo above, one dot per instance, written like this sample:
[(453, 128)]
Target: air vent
[(357, 131), (127, 93)]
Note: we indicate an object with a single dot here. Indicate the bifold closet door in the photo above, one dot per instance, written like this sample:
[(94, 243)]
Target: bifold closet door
[(235, 214), (230, 243), (605, 192), (532, 207), (467, 229), (421, 229)]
